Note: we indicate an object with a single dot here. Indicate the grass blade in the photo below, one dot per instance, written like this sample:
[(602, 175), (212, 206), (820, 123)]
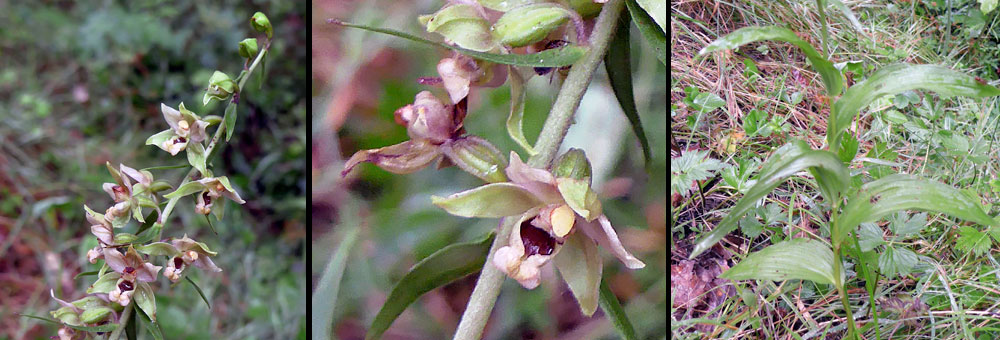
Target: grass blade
[(897, 78), (831, 77), (830, 173), (444, 266), (329, 283), (614, 311), (556, 57), (799, 258), (649, 29), (617, 64)]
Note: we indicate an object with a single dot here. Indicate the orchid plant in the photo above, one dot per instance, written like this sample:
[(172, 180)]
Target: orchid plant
[(549, 212), (135, 254)]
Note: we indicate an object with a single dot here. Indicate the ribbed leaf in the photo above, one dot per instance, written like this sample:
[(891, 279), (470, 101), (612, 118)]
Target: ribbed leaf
[(831, 175), (556, 57), (444, 266), (897, 78), (799, 258), (649, 29), (906, 192), (616, 63), (831, 77)]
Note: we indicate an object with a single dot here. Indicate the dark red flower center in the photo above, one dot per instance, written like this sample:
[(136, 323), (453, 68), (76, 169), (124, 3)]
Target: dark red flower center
[(180, 140), (178, 263), (129, 270), (126, 286), (536, 241)]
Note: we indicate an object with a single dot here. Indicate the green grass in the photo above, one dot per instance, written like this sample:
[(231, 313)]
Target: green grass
[(949, 140)]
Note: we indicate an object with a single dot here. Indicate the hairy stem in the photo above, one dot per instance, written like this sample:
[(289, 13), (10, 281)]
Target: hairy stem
[(477, 312)]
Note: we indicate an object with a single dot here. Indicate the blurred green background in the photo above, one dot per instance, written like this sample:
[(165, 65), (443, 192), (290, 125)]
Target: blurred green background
[(383, 223), (80, 84)]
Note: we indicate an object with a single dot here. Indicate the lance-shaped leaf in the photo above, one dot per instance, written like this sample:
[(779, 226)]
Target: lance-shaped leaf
[(830, 173), (656, 37), (145, 299), (516, 117), (895, 79), (906, 192), (556, 57), (489, 201), (230, 120), (580, 266), (196, 156), (614, 311), (800, 258), (616, 63), (444, 266), (657, 9), (831, 77), (93, 329)]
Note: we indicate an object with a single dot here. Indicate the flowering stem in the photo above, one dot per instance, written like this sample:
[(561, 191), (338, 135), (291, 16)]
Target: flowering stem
[(484, 296), (219, 132)]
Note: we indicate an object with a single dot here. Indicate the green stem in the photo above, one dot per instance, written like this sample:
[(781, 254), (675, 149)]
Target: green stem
[(821, 6), (484, 296), (219, 132)]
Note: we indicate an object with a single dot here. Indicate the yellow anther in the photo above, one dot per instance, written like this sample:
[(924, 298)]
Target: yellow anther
[(183, 125), (562, 220)]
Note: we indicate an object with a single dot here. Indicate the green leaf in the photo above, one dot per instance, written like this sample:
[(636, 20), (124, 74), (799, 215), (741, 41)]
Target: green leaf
[(230, 120), (82, 274), (145, 299), (516, 117), (200, 293), (105, 283), (831, 77), (656, 37), (830, 173), (750, 226), (130, 333), (987, 6), (656, 9), (901, 226), (444, 266), (972, 240), (93, 329), (158, 249), (799, 258), (186, 189), (153, 327), (708, 102), (196, 157), (906, 192), (617, 64), (580, 197), (556, 57), (613, 310), (897, 261), (580, 266), (691, 166), (897, 78), (848, 148), (489, 201), (869, 237)]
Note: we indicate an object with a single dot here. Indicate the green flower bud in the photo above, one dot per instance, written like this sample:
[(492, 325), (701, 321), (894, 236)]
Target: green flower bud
[(260, 23), (220, 87), (572, 164), (529, 24), (95, 315), (66, 315), (462, 25), (586, 8), (248, 48), (160, 186), (123, 238), (477, 157)]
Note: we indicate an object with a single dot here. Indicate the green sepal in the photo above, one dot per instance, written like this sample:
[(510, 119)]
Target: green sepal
[(124, 238), (489, 201), (580, 197), (105, 283), (159, 249), (145, 299), (462, 25), (580, 266), (529, 24), (95, 315), (248, 48)]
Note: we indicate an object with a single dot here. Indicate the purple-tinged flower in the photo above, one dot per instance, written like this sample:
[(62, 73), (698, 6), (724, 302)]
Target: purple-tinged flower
[(185, 127), (191, 253)]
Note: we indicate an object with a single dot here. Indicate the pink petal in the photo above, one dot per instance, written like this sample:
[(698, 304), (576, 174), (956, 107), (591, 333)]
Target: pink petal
[(403, 158), (135, 174), (605, 236), (147, 272), (539, 182), (103, 233), (114, 259)]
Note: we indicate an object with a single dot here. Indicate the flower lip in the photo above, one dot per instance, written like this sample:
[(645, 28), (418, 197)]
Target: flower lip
[(536, 241), (126, 286)]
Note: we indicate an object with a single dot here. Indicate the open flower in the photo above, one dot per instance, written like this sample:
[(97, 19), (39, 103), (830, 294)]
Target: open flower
[(435, 132), (185, 126), (550, 208), (100, 226), (191, 253), (133, 270), (215, 187), (461, 72)]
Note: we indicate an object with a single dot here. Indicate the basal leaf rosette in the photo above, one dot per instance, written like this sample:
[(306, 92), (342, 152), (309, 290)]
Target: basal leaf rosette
[(550, 207)]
